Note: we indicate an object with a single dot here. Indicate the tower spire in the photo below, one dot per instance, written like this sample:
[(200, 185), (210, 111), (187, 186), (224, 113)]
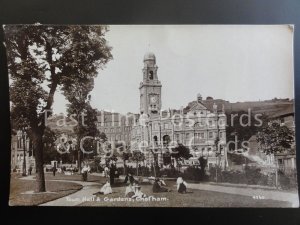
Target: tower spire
[(150, 87)]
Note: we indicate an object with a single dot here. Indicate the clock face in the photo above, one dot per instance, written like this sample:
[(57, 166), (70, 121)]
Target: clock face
[(153, 99)]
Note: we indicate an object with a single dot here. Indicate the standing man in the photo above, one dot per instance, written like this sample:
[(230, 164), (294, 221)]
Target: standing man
[(30, 170), (84, 172), (112, 174), (54, 170)]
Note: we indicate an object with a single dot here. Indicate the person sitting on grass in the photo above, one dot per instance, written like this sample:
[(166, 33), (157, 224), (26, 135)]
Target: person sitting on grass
[(129, 191), (181, 185), (129, 178), (157, 186), (137, 192), (106, 189)]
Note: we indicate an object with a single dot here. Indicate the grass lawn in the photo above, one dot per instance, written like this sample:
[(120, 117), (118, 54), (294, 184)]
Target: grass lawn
[(195, 198), (17, 187), (75, 177)]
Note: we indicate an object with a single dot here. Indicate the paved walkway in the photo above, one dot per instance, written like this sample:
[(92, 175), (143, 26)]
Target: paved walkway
[(87, 191), (252, 192)]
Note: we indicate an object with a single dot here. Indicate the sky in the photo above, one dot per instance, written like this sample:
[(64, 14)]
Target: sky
[(231, 62)]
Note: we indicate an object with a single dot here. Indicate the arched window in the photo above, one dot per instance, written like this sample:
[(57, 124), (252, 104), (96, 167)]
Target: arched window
[(151, 75), (155, 139), (166, 140)]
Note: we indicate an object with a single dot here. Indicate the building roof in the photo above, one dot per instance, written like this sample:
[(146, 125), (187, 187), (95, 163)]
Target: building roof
[(197, 106)]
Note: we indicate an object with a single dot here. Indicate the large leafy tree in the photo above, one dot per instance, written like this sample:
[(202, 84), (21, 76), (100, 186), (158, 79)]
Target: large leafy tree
[(50, 147), (137, 156), (124, 154), (79, 98), (43, 59), (244, 125), (274, 138), (180, 153)]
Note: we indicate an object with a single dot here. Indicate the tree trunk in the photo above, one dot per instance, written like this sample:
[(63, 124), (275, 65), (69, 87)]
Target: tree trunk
[(125, 168), (38, 145), (137, 169), (79, 160), (78, 150)]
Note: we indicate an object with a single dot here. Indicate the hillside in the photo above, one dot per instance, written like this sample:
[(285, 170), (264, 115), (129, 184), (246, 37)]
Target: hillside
[(268, 107)]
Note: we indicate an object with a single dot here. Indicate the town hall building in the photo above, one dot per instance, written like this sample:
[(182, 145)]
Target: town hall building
[(157, 132)]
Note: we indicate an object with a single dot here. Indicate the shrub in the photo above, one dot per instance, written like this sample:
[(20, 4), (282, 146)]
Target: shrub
[(194, 173), (170, 172), (253, 175), (284, 180)]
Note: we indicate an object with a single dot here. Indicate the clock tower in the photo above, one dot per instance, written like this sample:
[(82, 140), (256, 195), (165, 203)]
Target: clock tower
[(150, 87)]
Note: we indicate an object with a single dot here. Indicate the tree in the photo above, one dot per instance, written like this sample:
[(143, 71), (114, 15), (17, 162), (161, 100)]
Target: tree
[(203, 164), (124, 153), (41, 59), (50, 151), (275, 138), (180, 153), (79, 98), (97, 161), (244, 124), (138, 156)]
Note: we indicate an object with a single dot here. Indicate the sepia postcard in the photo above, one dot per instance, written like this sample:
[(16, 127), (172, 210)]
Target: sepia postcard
[(152, 115)]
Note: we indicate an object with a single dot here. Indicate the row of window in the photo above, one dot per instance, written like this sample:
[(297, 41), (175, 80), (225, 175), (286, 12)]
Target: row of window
[(116, 123), (201, 124), (201, 135), (118, 137), (115, 129), (20, 143)]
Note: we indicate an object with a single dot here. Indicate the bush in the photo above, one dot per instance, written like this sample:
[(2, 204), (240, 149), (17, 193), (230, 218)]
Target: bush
[(249, 176), (145, 171), (194, 173), (170, 172), (287, 180), (253, 175)]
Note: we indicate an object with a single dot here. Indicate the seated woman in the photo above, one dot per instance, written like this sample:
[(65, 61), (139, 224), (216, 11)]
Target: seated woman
[(157, 186), (129, 191), (137, 192), (181, 185), (106, 189), (129, 178)]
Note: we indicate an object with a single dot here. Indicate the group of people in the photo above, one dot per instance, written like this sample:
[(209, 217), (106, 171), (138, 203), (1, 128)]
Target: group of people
[(111, 172), (133, 189)]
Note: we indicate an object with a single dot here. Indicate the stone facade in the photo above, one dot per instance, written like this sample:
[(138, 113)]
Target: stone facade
[(195, 127), (150, 87), (154, 130), (17, 153), (116, 126)]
